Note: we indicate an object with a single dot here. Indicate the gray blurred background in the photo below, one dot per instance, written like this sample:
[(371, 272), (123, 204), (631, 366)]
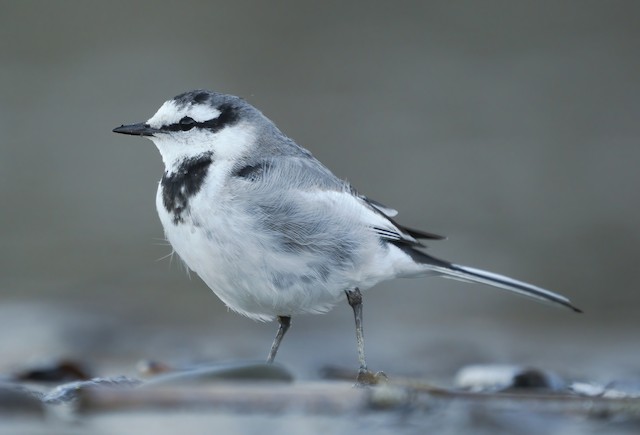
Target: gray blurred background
[(510, 127)]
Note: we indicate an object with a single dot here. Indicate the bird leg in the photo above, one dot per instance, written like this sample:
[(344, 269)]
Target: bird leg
[(354, 297), (285, 322), (365, 377)]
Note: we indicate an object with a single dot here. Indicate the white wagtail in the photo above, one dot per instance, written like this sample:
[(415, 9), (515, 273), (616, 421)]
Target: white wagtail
[(269, 228)]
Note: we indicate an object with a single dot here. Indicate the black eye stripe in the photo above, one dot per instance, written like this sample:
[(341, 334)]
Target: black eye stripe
[(228, 116)]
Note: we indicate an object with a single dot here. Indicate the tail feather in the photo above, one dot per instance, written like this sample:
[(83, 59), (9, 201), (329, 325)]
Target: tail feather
[(469, 274)]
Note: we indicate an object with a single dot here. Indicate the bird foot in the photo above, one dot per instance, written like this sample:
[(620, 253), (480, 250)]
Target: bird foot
[(367, 378)]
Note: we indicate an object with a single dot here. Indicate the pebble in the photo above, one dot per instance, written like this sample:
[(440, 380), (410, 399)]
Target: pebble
[(496, 377)]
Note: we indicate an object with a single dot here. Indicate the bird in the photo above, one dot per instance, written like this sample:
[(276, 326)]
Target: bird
[(271, 230)]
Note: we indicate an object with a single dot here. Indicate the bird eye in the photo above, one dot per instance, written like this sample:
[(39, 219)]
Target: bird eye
[(187, 123)]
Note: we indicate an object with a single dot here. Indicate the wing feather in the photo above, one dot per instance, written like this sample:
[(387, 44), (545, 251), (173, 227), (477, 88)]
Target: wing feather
[(304, 173)]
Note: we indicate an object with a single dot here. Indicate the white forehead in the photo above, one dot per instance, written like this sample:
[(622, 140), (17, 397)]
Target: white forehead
[(170, 113)]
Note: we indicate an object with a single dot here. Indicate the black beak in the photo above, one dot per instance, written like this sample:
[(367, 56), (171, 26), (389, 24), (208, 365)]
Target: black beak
[(140, 129)]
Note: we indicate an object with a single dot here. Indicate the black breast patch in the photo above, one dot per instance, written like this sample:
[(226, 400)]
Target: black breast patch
[(179, 187)]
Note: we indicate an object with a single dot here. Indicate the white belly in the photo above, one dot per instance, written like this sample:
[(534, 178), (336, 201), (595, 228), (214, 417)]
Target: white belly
[(238, 265)]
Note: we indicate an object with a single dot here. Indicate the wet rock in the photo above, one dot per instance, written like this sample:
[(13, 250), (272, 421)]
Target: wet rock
[(497, 377), (235, 371), (53, 371), (71, 391)]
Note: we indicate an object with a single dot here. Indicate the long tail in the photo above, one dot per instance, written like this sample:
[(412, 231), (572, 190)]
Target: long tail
[(469, 274)]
